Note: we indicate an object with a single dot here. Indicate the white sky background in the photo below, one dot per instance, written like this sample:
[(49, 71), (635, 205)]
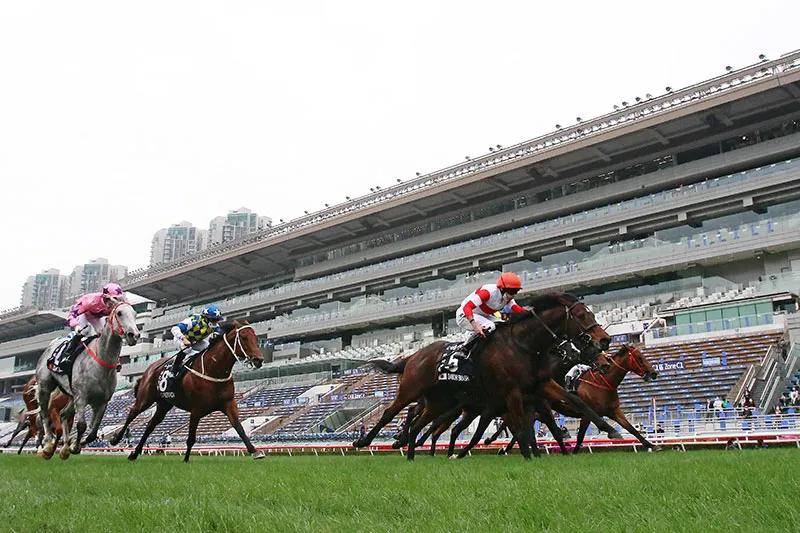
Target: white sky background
[(119, 119)]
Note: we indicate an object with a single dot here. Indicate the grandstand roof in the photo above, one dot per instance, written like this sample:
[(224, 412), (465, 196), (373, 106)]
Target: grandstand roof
[(594, 144), (28, 322)]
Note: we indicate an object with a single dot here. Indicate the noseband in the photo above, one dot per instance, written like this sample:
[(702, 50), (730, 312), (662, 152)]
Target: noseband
[(631, 363), (113, 321), (238, 346)]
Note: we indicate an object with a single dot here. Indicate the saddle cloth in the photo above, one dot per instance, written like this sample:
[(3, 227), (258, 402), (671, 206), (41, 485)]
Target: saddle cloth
[(453, 364), (57, 364)]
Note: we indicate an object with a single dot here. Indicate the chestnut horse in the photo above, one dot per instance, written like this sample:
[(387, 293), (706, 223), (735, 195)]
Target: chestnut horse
[(207, 387), (511, 369), (28, 416), (598, 388)]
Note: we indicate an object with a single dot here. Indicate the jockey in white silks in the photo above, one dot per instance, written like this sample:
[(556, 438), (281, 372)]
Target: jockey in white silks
[(571, 380)]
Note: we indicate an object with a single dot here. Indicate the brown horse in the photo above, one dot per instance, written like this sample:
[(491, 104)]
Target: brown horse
[(207, 387), (598, 388), (510, 370), (28, 416)]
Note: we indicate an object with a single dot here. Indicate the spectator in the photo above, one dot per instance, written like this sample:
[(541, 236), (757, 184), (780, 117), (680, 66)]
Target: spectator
[(777, 410), (168, 440), (794, 396), (718, 406), (362, 430), (783, 348), (783, 401)]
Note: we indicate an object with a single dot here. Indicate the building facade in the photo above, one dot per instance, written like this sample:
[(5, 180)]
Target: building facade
[(46, 290), (235, 225), (175, 242), (91, 276)]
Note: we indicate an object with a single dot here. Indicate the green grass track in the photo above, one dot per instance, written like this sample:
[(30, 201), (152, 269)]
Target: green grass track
[(747, 490)]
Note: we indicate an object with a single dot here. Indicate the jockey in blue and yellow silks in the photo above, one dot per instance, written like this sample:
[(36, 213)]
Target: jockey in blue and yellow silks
[(193, 334)]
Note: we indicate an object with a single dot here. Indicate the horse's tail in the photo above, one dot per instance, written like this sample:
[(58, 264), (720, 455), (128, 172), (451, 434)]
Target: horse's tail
[(390, 367)]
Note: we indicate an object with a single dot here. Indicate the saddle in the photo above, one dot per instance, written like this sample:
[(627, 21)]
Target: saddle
[(60, 362), (167, 385), (455, 365)]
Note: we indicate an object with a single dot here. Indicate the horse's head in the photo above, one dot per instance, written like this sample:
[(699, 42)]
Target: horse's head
[(580, 326), (122, 321), (631, 359), (242, 341)]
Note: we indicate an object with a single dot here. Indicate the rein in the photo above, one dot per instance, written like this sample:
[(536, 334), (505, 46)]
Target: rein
[(237, 345), (603, 382), (116, 329)]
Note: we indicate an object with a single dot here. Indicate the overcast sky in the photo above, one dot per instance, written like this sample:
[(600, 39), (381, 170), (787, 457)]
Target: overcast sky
[(117, 119)]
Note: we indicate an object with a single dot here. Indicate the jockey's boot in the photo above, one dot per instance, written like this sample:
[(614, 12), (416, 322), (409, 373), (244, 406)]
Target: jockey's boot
[(67, 353), (466, 348), (175, 369)]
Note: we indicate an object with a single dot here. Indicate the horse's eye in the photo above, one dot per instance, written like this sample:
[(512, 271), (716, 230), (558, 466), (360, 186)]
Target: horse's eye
[(119, 313)]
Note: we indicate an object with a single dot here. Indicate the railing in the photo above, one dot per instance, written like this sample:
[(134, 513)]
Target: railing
[(591, 128), (467, 249), (714, 325), (633, 255)]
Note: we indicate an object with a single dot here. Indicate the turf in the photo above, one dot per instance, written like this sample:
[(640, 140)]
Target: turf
[(695, 491)]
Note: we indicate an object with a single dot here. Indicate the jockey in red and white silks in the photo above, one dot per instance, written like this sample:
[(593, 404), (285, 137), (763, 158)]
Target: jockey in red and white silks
[(477, 310)]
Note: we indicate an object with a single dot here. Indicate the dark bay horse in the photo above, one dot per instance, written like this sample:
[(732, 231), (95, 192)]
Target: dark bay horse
[(28, 416), (510, 371), (207, 387), (598, 388)]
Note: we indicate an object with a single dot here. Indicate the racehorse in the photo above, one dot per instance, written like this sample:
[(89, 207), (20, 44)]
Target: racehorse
[(92, 383), (207, 387), (28, 415), (598, 388), (510, 370)]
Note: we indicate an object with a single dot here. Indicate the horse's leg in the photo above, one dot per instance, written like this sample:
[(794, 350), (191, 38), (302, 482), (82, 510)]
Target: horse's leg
[(440, 428), (483, 423), (555, 392), (194, 419), (43, 399), (24, 442), (496, 434), (135, 410), (21, 425), (584, 425), (81, 407), (532, 436), (518, 421), (426, 417), (231, 410), (509, 446), (66, 413), (619, 416), (161, 411), (388, 414), (97, 416), (546, 416), (466, 419)]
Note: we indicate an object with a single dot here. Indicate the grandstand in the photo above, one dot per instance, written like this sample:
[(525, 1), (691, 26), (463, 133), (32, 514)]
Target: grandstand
[(676, 218)]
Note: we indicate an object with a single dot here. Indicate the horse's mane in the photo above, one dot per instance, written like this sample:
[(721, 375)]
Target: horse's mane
[(544, 302), (226, 328)]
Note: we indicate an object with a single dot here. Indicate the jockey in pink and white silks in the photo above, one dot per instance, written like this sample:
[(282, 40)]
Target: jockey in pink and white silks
[(87, 317)]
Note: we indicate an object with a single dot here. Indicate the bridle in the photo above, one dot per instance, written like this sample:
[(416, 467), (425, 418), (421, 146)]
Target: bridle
[(234, 349), (631, 362), (245, 358), (584, 338), (113, 321)]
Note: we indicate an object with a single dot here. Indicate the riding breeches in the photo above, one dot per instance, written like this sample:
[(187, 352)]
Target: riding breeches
[(487, 324), (89, 325)]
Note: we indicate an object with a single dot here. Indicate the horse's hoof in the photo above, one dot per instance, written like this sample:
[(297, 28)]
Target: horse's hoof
[(452, 456), (133, 456), (614, 435), (502, 451), (655, 449), (358, 444), (395, 445), (64, 453), (259, 455)]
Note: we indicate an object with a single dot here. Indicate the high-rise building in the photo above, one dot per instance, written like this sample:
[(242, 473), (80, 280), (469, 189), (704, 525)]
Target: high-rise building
[(234, 225), (176, 241), (46, 290), (91, 276)]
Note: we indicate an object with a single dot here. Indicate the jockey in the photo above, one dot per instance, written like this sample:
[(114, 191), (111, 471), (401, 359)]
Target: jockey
[(193, 334), (571, 381), (87, 317), (477, 310)]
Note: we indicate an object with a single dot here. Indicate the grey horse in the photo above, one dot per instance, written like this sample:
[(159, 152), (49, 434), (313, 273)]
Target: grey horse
[(94, 379)]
